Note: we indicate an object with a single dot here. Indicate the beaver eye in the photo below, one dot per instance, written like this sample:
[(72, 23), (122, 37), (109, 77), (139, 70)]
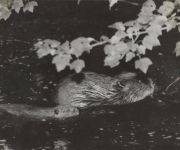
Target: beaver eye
[(56, 111), (121, 84)]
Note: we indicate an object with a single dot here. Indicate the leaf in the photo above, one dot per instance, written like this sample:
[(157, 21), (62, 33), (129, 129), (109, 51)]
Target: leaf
[(146, 15), (104, 38), (146, 11), (149, 5), (6, 3), (118, 25), (17, 5), (141, 49), (167, 8), (130, 23), (77, 65), (112, 2), (145, 19), (119, 49), (154, 30), (52, 43), (177, 49), (150, 41), (45, 50), (111, 61), (131, 31), (110, 50), (4, 13), (30, 6), (64, 48), (159, 20), (132, 46), (171, 24), (115, 39), (143, 64), (61, 61), (46, 47), (129, 56), (81, 45)]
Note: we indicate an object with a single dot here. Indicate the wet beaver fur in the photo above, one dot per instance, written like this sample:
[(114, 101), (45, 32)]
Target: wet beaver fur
[(91, 89), (84, 91)]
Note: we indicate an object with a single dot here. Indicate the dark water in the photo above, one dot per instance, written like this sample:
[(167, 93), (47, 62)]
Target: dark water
[(149, 125), (142, 126)]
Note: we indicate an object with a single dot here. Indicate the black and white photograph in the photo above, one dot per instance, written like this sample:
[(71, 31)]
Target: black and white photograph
[(89, 74)]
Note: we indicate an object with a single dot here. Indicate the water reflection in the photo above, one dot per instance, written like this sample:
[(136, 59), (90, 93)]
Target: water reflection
[(61, 144), (4, 145), (125, 129)]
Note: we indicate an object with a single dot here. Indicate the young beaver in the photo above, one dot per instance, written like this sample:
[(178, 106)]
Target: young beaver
[(33, 112), (96, 90)]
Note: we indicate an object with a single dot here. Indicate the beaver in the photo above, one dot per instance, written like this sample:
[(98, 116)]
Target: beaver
[(34, 112), (86, 90), (90, 89)]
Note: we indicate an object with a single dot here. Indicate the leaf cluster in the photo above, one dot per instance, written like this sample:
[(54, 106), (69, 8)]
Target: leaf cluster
[(130, 41), (66, 54), (7, 6)]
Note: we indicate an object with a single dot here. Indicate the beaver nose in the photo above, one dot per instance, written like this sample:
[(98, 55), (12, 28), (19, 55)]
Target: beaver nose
[(154, 88), (153, 85), (150, 82)]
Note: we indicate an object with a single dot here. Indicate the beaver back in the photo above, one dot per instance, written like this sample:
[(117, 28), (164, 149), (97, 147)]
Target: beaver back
[(96, 89)]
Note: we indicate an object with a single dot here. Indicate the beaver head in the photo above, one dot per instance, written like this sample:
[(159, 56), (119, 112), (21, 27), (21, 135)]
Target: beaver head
[(60, 112), (131, 88)]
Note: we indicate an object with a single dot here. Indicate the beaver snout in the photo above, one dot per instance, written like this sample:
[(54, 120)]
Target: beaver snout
[(153, 86)]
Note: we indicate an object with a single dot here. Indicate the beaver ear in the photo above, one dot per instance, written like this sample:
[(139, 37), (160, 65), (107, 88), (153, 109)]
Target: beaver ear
[(56, 111), (121, 84), (118, 85)]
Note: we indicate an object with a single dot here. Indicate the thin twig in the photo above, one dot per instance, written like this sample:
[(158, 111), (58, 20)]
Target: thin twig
[(137, 36), (20, 41), (131, 3), (171, 84), (99, 43)]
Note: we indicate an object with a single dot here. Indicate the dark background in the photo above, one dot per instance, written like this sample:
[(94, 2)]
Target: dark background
[(26, 79)]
